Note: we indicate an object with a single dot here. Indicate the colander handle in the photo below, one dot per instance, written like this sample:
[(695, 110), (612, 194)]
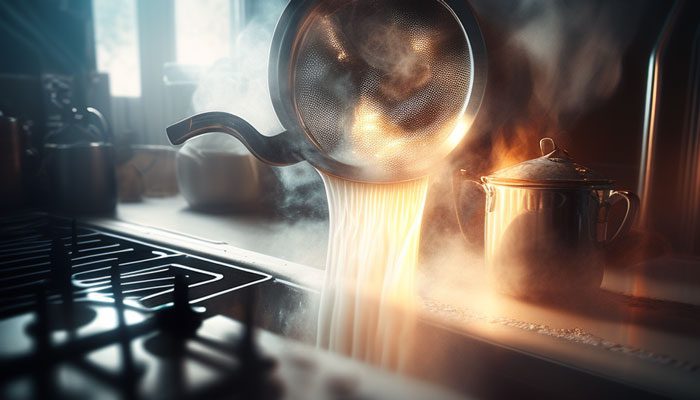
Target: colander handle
[(274, 150)]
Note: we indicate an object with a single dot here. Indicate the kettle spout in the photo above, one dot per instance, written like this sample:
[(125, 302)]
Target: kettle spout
[(275, 150)]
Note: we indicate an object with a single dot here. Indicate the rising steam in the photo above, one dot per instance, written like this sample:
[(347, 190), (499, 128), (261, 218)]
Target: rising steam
[(239, 85), (553, 60), (576, 50)]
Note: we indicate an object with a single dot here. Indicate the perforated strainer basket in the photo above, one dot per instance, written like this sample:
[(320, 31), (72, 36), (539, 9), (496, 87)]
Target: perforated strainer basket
[(370, 90)]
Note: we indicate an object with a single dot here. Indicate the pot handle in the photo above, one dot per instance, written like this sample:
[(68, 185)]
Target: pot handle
[(630, 215), (279, 150), (458, 177)]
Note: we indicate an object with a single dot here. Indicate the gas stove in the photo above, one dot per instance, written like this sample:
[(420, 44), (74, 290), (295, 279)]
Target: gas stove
[(86, 313)]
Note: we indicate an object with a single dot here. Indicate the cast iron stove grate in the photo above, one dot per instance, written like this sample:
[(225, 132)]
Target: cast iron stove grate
[(35, 248)]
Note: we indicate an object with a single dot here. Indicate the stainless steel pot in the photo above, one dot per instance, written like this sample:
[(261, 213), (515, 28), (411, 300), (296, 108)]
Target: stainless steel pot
[(546, 224)]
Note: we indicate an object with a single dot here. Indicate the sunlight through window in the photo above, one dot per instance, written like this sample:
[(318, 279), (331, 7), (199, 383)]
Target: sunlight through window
[(116, 38)]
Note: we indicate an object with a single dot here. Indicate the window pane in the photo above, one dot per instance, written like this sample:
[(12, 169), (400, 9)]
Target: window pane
[(116, 38), (202, 30)]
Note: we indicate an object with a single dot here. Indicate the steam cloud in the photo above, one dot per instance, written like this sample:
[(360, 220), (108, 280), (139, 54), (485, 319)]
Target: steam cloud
[(239, 85), (576, 61), (555, 59)]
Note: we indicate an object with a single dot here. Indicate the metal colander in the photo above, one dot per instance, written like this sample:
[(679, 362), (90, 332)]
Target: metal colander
[(367, 90), (380, 83)]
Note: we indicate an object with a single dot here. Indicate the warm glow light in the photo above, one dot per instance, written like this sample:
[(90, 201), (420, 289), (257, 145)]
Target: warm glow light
[(332, 39), (368, 300), (457, 134), (376, 137), (374, 134), (516, 145), (420, 44)]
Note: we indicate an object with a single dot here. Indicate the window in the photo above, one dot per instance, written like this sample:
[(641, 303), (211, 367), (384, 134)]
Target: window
[(157, 51), (116, 37)]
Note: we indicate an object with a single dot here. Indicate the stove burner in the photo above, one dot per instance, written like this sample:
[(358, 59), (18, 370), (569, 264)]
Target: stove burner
[(180, 319)]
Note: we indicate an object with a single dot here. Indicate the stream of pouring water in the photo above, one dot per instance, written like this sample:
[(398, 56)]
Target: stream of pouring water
[(368, 307)]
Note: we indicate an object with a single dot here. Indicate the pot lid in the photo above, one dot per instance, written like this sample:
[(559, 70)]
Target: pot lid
[(554, 168)]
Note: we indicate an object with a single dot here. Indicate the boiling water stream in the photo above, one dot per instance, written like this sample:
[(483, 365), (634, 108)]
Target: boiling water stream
[(368, 305)]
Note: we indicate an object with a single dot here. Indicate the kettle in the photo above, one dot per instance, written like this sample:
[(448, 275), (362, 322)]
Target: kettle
[(80, 163)]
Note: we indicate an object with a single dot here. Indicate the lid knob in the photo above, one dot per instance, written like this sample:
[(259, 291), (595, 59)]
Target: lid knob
[(547, 145)]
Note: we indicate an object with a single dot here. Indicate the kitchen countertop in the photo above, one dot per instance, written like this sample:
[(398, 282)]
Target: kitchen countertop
[(299, 242), (649, 343)]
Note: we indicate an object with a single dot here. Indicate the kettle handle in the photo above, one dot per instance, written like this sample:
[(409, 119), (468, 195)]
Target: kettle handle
[(458, 177), (630, 215), (278, 150), (103, 122)]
